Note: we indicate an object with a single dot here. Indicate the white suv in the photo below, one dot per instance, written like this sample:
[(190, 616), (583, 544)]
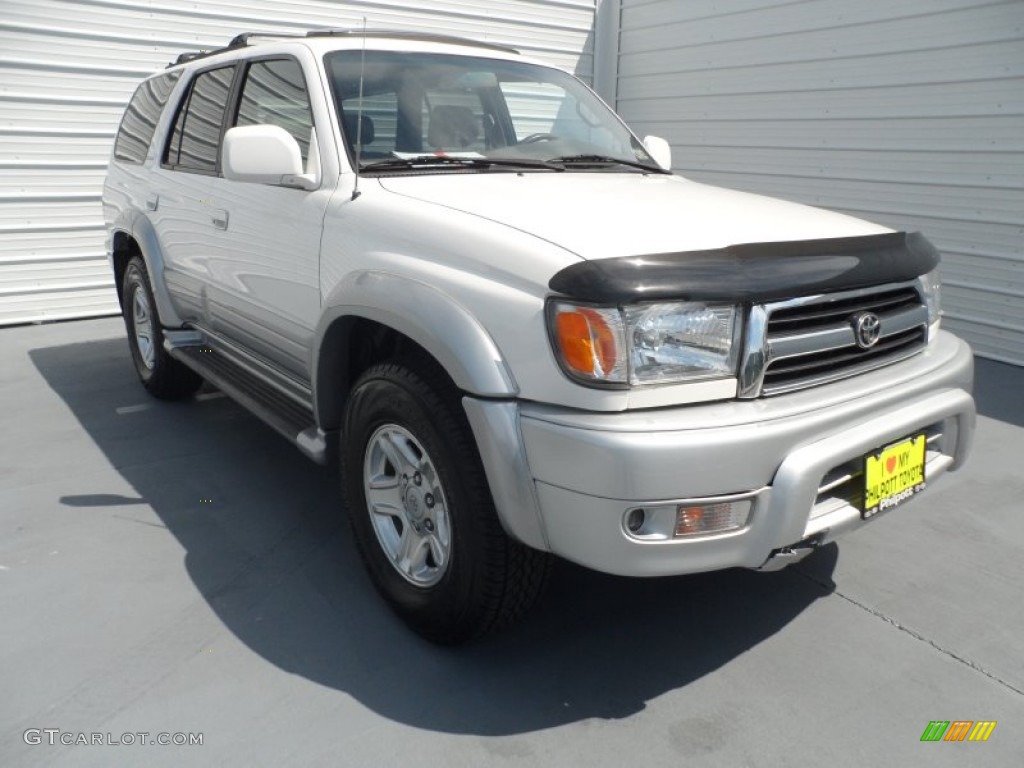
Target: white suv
[(458, 273)]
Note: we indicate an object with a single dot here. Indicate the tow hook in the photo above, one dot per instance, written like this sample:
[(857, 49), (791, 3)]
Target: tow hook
[(783, 556)]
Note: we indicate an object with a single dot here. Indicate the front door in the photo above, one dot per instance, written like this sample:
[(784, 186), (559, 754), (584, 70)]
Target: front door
[(264, 255)]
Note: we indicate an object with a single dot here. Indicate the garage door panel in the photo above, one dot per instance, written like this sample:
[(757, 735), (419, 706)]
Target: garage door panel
[(68, 67), (909, 114)]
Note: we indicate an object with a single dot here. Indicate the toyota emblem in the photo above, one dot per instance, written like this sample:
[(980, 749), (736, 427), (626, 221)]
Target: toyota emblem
[(866, 329)]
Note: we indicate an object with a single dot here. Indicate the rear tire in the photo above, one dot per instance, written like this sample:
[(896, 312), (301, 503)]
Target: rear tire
[(422, 513), (161, 375)]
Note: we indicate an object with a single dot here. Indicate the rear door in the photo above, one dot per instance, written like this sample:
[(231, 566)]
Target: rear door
[(180, 206)]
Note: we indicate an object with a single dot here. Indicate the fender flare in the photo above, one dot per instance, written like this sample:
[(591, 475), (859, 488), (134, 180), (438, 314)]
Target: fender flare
[(141, 229), (430, 317)]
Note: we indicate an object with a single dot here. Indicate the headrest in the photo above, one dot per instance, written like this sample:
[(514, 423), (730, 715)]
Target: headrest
[(451, 127)]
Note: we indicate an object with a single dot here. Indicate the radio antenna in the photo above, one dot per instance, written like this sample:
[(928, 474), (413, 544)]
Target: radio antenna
[(359, 114)]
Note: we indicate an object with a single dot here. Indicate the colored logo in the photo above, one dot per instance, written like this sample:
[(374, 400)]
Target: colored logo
[(866, 329), (958, 730)]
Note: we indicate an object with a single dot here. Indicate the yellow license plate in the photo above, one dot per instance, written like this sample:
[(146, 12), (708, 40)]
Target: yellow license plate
[(894, 475)]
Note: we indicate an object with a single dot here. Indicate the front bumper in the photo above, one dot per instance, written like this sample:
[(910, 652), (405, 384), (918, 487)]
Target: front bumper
[(563, 479)]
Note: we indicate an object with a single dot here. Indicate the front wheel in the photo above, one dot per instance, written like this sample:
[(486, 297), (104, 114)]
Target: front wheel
[(422, 514)]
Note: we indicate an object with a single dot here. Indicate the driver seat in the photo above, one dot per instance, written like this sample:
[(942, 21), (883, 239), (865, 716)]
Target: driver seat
[(451, 127)]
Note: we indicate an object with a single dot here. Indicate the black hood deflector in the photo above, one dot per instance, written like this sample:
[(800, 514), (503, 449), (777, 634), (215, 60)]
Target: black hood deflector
[(751, 272)]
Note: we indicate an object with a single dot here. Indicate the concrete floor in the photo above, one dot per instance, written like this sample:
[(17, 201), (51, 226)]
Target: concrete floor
[(180, 568)]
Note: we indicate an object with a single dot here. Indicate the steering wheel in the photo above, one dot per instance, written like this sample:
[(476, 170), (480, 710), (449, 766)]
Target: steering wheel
[(535, 137)]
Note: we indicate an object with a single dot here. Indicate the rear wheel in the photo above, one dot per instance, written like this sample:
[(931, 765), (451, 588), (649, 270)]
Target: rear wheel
[(422, 513), (161, 375)]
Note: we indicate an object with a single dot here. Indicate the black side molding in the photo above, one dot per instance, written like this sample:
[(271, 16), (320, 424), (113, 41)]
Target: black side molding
[(751, 271)]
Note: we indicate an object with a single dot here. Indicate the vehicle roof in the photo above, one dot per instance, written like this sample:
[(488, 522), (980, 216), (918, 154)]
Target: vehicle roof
[(324, 41)]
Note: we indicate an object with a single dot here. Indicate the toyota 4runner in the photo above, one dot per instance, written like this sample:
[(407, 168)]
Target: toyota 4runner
[(456, 272)]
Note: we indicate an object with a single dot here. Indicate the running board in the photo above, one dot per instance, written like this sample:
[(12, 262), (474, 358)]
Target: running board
[(279, 411)]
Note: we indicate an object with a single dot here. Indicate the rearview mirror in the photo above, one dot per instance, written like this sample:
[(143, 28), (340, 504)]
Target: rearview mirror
[(264, 154), (660, 150)]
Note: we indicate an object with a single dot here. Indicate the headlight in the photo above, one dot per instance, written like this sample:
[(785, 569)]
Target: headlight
[(663, 343), (679, 341), (931, 291)]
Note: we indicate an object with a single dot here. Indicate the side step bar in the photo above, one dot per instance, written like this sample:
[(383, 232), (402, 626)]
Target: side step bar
[(279, 411)]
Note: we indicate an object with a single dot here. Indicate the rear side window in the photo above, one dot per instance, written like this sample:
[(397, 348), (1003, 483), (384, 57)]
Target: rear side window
[(274, 93), (140, 118), (195, 140)]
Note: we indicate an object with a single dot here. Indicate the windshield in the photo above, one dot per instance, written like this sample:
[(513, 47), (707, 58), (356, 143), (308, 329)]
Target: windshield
[(469, 112)]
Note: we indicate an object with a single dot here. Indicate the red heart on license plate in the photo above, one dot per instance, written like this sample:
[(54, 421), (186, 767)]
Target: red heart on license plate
[(890, 464)]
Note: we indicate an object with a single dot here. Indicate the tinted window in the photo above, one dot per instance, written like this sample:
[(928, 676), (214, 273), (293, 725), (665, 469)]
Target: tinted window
[(274, 93), (140, 118), (195, 141)]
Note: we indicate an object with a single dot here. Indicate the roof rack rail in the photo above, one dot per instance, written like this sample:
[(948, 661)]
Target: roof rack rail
[(243, 39), (397, 34), (238, 41), (188, 56)]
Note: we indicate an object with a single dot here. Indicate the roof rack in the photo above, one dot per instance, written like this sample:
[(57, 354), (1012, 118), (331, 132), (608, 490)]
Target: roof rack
[(238, 41), (397, 34), (243, 40)]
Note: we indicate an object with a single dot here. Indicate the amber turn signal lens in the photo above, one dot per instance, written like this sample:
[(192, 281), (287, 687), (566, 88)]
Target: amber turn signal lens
[(711, 518), (689, 520), (586, 341)]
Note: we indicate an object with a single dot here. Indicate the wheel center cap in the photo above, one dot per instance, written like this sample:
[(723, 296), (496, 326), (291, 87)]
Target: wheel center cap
[(414, 504)]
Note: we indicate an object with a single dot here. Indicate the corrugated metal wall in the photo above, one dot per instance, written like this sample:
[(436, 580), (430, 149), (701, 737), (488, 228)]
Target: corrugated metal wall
[(67, 68), (908, 113)]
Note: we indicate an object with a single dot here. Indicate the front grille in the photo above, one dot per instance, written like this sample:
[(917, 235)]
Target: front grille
[(812, 341), (806, 317)]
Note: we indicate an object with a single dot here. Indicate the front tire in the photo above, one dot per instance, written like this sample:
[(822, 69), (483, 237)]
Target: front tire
[(422, 513), (161, 375)]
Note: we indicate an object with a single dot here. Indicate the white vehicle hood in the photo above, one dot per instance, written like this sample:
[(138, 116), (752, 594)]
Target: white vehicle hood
[(601, 215)]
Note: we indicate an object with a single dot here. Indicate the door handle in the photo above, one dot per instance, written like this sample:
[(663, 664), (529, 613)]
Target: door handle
[(219, 219), (152, 202)]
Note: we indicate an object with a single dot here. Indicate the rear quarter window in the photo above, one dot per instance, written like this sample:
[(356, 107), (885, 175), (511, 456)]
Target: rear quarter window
[(140, 118)]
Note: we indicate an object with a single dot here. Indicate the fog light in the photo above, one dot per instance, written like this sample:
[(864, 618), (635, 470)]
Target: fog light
[(711, 518), (695, 517), (635, 520)]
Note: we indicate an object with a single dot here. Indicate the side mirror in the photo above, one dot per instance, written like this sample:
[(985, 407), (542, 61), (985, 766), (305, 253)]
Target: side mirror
[(659, 149), (264, 154)]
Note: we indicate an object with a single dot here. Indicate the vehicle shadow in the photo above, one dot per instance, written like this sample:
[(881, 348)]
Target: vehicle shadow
[(997, 388), (268, 547)]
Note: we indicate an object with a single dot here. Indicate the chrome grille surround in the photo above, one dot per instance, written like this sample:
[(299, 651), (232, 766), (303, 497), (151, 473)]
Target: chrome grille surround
[(799, 343)]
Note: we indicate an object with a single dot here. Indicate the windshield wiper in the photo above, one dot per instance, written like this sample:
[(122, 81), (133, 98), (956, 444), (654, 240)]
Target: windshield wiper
[(605, 160), (449, 161)]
